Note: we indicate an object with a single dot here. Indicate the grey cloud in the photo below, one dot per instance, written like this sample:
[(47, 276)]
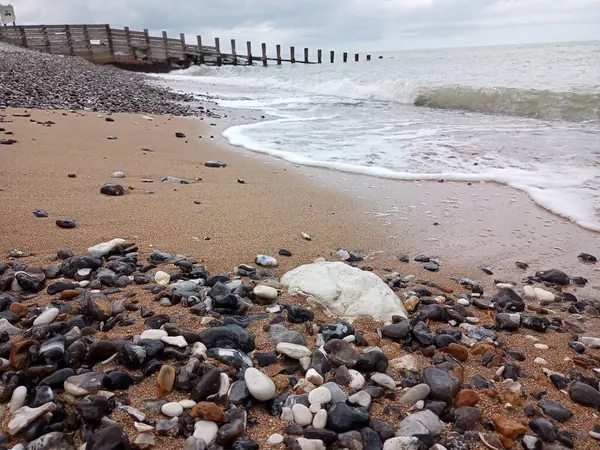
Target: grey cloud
[(363, 24)]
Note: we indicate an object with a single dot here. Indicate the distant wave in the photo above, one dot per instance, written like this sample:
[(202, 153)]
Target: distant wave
[(532, 103), (538, 104)]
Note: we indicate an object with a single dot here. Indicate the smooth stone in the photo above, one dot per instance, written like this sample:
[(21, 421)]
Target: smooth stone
[(162, 278), (345, 291), (543, 296), (420, 423), (278, 333), (337, 394), (46, 317), (555, 410), (265, 261), (584, 394), (361, 398), (314, 377), (294, 351), (17, 400), (172, 409), (261, 387), (357, 380), (320, 419), (320, 395), (342, 417), (176, 341), (415, 394), (205, 430), (156, 335), (11, 330), (442, 384), (265, 292), (383, 380), (302, 415), (275, 439)]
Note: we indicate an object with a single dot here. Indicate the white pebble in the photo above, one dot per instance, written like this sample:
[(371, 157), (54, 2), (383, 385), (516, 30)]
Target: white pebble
[(261, 387), (176, 341), (286, 414), (541, 346), (543, 295), (357, 381), (294, 351), (361, 398), (266, 292), (320, 419), (383, 380), (315, 408), (463, 302), (18, 398), (172, 409), (314, 377), (531, 338), (529, 292), (187, 404), (320, 395), (118, 174), (540, 361), (162, 278), (302, 415), (275, 439), (205, 430)]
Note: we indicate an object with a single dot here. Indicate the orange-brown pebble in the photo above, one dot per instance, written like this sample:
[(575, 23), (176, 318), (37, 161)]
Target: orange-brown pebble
[(480, 349), (208, 411), (19, 351), (372, 338), (18, 308), (446, 289), (458, 351), (466, 397), (68, 294), (507, 427), (459, 373), (165, 380)]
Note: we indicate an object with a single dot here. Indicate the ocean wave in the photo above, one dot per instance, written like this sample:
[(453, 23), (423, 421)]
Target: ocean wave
[(520, 102), (532, 103)]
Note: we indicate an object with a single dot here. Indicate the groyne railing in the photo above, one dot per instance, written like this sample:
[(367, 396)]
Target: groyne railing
[(103, 44)]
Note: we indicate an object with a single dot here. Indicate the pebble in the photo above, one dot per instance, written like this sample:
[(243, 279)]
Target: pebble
[(320, 395), (205, 430), (261, 387), (172, 409), (162, 278), (177, 341), (302, 415), (275, 439), (320, 419), (155, 335), (357, 380), (265, 261), (415, 393), (383, 380), (266, 292), (540, 346), (540, 361), (294, 351), (314, 377), (18, 398)]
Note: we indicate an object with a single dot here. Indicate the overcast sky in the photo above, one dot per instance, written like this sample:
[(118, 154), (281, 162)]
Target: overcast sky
[(353, 25)]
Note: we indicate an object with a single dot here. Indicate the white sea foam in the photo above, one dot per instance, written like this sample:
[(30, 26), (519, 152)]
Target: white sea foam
[(456, 115)]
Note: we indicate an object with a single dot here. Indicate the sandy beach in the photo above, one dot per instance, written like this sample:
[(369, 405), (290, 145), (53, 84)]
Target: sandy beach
[(212, 350)]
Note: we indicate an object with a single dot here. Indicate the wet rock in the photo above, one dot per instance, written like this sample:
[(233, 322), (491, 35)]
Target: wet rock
[(228, 336), (545, 429), (278, 333), (555, 410), (397, 331), (466, 418), (86, 383), (508, 300), (553, 276), (297, 314), (109, 438), (111, 188), (420, 423), (341, 353), (586, 257), (66, 223)]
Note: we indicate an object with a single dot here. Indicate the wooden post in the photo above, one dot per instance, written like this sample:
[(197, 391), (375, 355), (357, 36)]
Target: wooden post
[(278, 54), (201, 58), (111, 47), (47, 39), (319, 56), (69, 40), (148, 45), (128, 39), (356, 57), (23, 37), (331, 56), (218, 47), (292, 55), (166, 44), (305, 56), (233, 52), (249, 47), (368, 57), (182, 39), (264, 53), (345, 56)]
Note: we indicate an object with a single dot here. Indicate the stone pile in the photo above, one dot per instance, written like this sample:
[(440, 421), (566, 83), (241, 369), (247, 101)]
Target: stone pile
[(330, 383), (31, 79)]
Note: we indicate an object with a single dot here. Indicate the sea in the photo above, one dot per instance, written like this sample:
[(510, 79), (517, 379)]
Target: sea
[(525, 116)]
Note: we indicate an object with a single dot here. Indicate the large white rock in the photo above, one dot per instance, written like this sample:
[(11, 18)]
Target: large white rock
[(104, 248), (345, 291), (261, 387)]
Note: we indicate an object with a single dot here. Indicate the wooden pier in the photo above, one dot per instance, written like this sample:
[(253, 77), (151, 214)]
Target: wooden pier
[(137, 50)]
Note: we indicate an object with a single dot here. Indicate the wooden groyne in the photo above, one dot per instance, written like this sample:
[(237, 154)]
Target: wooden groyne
[(138, 50)]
